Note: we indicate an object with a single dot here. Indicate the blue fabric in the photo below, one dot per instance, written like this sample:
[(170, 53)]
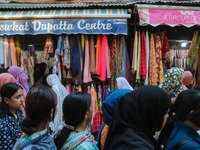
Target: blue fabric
[(75, 61), (99, 135), (123, 67), (1, 50), (9, 53), (10, 130), (43, 142), (110, 104), (60, 45), (181, 132)]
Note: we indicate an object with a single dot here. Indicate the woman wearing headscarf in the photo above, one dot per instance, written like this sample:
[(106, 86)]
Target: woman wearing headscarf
[(61, 92), (138, 116), (6, 78), (108, 108), (172, 81), (192, 70), (122, 83), (187, 79)]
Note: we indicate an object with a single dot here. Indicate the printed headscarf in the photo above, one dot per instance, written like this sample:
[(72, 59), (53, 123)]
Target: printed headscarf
[(122, 83), (20, 77), (138, 116), (172, 81), (6, 78)]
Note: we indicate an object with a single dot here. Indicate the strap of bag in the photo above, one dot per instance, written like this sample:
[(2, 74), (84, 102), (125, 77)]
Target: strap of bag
[(181, 143)]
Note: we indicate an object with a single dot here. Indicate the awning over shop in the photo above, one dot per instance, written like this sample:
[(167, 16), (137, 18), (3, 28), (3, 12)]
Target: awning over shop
[(69, 21), (170, 15)]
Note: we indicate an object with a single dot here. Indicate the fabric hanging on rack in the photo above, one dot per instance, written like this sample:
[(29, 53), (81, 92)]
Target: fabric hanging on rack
[(56, 66), (147, 57), (194, 52), (92, 55), (18, 49), (98, 55), (86, 75), (75, 60), (1, 50), (96, 99), (157, 53), (83, 42), (48, 47), (80, 73), (143, 67), (103, 58), (67, 52), (107, 59), (138, 58), (152, 62), (13, 51), (158, 48), (128, 70), (123, 67), (60, 45), (134, 60), (92, 93), (117, 57), (99, 97), (5, 51), (9, 53), (119, 66), (194, 39), (113, 62), (165, 45)]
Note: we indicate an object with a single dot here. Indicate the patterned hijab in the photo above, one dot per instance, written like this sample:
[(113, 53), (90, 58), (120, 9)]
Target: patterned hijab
[(172, 81)]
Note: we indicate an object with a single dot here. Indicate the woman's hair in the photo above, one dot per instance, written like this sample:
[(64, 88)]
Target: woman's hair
[(7, 90), (39, 103), (186, 101), (75, 106)]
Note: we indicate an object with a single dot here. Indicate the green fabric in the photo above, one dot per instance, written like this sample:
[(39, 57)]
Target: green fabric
[(172, 81), (194, 53), (139, 59)]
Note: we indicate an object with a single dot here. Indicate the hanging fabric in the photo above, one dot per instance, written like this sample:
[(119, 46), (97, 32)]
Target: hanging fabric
[(117, 57), (134, 60), (194, 52), (143, 67), (92, 93), (83, 42), (1, 50), (123, 67), (60, 46), (138, 58), (75, 60), (80, 73), (98, 55), (147, 57), (113, 62), (86, 75), (108, 59), (66, 52), (165, 45), (194, 39), (56, 66), (103, 58), (92, 55), (18, 49), (119, 64), (48, 47), (152, 62), (5, 51), (9, 53)]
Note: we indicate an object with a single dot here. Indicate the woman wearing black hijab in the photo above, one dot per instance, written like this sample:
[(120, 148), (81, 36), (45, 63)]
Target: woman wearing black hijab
[(139, 115)]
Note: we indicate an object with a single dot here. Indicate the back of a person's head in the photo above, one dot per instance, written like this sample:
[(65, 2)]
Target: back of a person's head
[(187, 78), (191, 69), (40, 101), (75, 106), (6, 78), (7, 91), (186, 101)]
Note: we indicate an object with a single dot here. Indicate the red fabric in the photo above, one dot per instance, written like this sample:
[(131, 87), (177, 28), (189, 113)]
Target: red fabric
[(97, 121), (143, 66), (165, 45)]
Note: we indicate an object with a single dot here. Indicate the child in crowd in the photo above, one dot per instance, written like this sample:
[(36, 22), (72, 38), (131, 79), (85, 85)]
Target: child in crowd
[(73, 133), (11, 101), (40, 109)]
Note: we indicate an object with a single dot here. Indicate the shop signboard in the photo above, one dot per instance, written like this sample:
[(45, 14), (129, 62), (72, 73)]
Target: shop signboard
[(156, 15), (68, 26)]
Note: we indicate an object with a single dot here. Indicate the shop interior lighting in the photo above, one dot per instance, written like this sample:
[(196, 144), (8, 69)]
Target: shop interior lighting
[(183, 44)]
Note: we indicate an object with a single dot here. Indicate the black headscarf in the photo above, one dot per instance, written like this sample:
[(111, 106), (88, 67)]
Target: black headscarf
[(138, 116), (3, 70)]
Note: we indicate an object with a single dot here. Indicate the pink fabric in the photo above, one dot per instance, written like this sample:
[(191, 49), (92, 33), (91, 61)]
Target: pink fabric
[(98, 55), (187, 78), (86, 75), (13, 51), (108, 59), (5, 51), (103, 58), (92, 55), (68, 90), (92, 93), (6, 78), (20, 77)]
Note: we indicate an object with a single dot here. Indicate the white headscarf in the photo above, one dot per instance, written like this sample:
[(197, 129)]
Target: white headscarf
[(61, 93), (122, 83)]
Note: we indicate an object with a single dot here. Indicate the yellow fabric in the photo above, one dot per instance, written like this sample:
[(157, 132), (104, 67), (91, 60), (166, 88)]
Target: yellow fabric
[(82, 42), (194, 39), (104, 135)]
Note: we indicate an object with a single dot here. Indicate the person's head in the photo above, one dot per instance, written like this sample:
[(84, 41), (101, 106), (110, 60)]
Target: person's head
[(6, 78), (122, 83), (187, 78), (11, 98), (3, 70), (191, 69), (44, 67), (172, 81), (51, 70), (186, 109), (41, 108), (53, 79), (77, 108), (109, 105), (143, 110)]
